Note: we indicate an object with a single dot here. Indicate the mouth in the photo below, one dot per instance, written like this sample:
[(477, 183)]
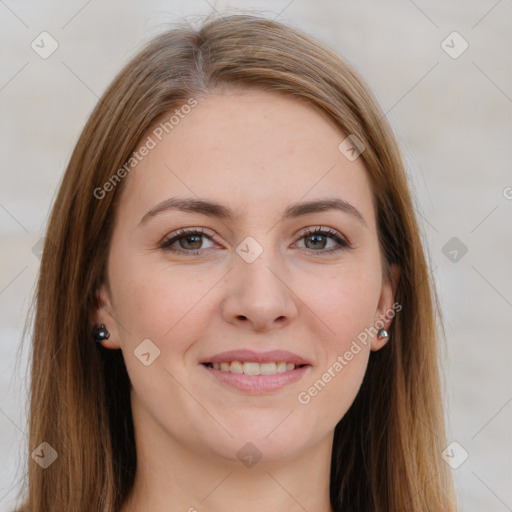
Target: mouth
[(256, 373)]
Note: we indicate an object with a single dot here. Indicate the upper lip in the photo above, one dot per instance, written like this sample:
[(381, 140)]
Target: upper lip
[(257, 357)]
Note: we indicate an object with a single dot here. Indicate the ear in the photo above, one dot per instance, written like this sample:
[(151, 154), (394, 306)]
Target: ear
[(102, 313), (385, 311)]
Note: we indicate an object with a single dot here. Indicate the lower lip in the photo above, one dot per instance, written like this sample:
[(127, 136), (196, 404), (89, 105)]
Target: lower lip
[(257, 384)]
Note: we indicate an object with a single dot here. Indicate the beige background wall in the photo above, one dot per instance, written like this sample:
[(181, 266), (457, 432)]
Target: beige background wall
[(453, 120)]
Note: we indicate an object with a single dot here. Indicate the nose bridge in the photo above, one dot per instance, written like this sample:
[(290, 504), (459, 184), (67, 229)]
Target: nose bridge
[(258, 271)]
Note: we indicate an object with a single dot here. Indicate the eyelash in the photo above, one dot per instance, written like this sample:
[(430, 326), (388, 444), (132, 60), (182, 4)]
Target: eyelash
[(182, 233)]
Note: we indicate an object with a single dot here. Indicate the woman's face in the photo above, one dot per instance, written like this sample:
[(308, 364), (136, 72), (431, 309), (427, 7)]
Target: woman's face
[(255, 278)]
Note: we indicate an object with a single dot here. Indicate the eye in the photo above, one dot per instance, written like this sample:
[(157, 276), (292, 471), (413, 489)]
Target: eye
[(317, 240), (189, 241)]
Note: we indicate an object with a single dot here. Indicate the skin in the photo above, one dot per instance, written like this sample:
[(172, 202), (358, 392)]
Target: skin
[(256, 152)]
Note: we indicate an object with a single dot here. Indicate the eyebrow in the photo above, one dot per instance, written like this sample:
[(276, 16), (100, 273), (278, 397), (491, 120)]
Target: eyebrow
[(214, 209)]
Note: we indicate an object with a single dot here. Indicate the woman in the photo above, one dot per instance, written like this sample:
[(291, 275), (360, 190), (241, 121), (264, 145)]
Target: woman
[(234, 309)]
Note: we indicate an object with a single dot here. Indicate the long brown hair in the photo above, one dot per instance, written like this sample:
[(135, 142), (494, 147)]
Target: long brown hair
[(387, 448)]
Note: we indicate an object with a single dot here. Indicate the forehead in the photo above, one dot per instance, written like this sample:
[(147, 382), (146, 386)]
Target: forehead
[(248, 148)]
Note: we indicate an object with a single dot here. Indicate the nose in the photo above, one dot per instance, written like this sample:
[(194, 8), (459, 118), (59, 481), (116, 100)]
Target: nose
[(258, 296)]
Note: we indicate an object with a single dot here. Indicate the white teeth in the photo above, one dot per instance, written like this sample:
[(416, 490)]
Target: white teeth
[(268, 368), (236, 367), (251, 368), (281, 367)]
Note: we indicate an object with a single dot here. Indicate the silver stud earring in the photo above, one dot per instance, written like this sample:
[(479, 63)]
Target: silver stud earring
[(382, 334)]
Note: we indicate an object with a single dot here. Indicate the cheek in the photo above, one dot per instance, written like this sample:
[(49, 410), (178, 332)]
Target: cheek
[(346, 306), (158, 301), (344, 303)]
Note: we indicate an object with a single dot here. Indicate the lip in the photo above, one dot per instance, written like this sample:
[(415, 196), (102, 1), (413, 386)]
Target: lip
[(258, 384), (246, 355)]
